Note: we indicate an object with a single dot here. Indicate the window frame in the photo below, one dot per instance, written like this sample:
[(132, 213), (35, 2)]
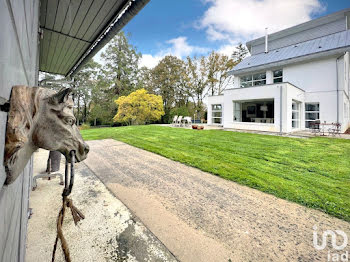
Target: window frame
[(311, 112), (252, 79), (298, 112), (213, 111), (237, 112), (277, 77)]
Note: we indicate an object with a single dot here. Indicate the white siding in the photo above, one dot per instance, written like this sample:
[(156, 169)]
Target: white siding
[(319, 80), (314, 76), (18, 65), (346, 92)]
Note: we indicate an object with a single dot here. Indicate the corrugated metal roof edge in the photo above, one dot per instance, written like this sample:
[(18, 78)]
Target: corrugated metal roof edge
[(310, 57), (131, 11), (300, 27)]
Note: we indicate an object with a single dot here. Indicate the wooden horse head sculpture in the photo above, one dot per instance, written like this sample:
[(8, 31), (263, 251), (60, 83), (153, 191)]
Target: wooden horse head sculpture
[(40, 118)]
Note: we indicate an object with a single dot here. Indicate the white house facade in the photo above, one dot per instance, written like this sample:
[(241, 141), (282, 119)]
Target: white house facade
[(292, 78)]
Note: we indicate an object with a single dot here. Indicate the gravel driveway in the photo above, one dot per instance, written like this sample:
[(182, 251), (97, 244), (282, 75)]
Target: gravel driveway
[(202, 217)]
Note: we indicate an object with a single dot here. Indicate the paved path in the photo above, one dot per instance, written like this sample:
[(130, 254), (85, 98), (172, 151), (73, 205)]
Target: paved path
[(202, 217)]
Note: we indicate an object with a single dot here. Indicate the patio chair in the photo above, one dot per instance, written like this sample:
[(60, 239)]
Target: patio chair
[(315, 127), (179, 121), (335, 129), (174, 120), (188, 120)]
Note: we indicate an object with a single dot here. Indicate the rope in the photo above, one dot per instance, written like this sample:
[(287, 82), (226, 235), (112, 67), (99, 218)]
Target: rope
[(76, 214)]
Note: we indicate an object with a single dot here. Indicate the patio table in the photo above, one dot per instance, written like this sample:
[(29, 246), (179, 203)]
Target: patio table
[(323, 127), (335, 130)]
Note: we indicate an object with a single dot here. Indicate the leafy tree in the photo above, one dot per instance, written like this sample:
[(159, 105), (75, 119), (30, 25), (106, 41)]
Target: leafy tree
[(102, 107), (145, 79), (83, 84), (139, 108), (196, 72), (168, 79), (240, 53), (119, 76), (219, 77), (182, 84), (121, 65), (51, 81)]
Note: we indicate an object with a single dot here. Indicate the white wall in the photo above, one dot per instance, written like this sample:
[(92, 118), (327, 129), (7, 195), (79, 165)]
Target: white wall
[(251, 93), (346, 116), (346, 93), (289, 93), (18, 66), (319, 81), (314, 76)]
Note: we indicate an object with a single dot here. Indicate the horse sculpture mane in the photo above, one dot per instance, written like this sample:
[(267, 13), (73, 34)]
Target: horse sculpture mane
[(20, 119), (39, 118)]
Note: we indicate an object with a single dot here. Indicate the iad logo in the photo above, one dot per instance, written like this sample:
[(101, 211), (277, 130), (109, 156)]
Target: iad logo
[(333, 235)]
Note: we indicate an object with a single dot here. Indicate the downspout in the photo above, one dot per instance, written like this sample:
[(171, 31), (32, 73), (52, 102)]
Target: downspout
[(336, 69)]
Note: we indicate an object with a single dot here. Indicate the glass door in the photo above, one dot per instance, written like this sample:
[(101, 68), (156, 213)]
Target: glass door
[(295, 114)]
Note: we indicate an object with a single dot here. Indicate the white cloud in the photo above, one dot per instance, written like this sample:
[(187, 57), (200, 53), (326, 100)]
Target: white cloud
[(226, 49), (215, 34), (230, 19), (149, 60), (181, 48), (177, 47)]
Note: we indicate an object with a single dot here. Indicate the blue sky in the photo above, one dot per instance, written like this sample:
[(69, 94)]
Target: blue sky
[(195, 27)]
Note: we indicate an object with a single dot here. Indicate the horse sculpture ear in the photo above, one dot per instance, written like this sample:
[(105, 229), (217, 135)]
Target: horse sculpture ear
[(61, 96)]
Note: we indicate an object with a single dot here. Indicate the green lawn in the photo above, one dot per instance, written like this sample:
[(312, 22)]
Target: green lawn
[(313, 172)]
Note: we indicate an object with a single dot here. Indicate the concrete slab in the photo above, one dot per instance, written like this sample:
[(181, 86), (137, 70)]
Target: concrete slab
[(109, 232)]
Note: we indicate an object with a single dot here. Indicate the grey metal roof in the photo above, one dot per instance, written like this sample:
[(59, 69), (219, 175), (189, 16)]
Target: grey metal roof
[(75, 30), (315, 46), (301, 27)]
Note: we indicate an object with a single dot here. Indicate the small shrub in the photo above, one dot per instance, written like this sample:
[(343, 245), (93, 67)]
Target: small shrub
[(85, 126)]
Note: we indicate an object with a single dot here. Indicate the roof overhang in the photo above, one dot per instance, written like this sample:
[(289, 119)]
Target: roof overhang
[(74, 31)]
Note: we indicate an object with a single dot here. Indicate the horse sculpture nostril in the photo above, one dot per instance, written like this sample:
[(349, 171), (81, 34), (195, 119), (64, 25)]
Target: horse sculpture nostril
[(86, 149)]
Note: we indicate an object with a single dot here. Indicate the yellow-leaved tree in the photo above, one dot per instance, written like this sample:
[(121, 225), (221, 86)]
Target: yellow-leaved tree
[(139, 108)]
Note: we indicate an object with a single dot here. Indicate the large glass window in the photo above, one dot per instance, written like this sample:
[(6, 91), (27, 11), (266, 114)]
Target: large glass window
[(246, 81), (258, 111), (295, 114), (278, 76), (253, 80), (237, 112), (312, 113), (216, 111)]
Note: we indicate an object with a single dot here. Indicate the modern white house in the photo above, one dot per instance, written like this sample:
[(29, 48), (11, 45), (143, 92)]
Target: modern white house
[(292, 78)]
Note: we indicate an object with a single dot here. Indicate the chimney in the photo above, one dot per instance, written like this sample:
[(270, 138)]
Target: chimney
[(266, 42)]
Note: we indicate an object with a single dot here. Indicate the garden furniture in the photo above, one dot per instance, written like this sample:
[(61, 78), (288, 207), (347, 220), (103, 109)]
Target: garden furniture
[(174, 120), (179, 121)]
